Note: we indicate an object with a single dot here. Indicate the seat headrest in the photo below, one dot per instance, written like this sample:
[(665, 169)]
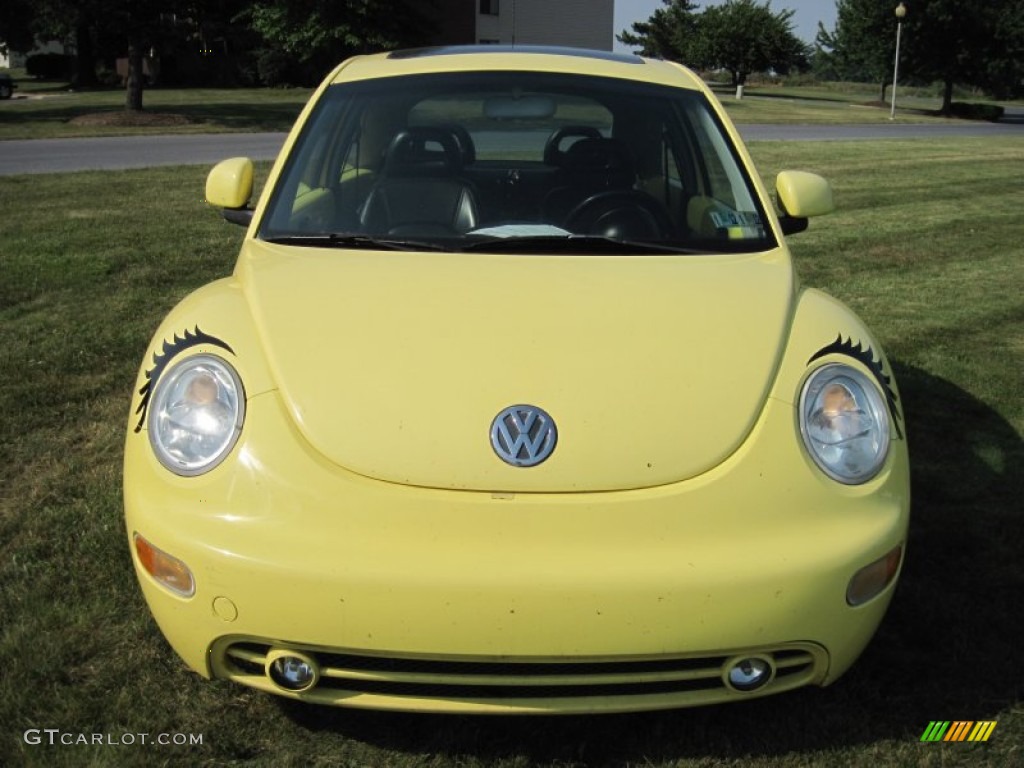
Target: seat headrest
[(602, 155), (422, 150)]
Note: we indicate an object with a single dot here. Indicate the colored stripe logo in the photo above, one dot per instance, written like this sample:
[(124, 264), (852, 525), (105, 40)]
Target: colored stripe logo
[(959, 730)]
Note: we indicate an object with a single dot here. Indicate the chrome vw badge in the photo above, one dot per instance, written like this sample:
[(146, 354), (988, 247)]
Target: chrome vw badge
[(523, 435)]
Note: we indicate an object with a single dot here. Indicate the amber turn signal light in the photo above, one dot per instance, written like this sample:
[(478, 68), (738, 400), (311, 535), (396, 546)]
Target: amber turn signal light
[(870, 580), (169, 571)]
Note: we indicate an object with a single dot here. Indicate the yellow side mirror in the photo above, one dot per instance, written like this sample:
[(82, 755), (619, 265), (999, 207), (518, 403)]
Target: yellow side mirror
[(229, 184), (802, 195)]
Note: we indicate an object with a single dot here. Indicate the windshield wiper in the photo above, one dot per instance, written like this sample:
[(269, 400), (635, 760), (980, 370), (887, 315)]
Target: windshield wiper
[(352, 240), (576, 244)]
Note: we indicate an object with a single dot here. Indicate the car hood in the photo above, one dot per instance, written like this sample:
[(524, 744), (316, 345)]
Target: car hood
[(394, 365)]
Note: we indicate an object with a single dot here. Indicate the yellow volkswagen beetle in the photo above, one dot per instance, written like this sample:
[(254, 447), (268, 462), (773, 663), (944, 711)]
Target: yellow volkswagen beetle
[(513, 404)]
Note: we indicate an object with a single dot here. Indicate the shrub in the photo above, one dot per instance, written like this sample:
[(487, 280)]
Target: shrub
[(49, 66), (969, 111), (801, 79), (274, 67)]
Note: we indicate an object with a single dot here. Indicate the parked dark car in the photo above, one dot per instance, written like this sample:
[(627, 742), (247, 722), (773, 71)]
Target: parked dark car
[(7, 86)]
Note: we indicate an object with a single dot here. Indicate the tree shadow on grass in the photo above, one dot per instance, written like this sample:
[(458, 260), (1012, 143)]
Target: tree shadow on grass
[(945, 651)]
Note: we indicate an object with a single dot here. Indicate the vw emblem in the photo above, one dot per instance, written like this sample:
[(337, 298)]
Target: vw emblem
[(523, 435)]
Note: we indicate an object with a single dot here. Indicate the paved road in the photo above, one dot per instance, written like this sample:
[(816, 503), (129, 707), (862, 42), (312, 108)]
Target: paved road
[(60, 155)]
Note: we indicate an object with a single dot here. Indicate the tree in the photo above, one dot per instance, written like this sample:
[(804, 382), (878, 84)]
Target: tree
[(667, 33), (958, 41), (740, 36), (15, 25), (320, 33), (314, 32), (141, 26), (862, 46), (23, 22), (133, 25), (1003, 74), (743, 37), (952, 41)]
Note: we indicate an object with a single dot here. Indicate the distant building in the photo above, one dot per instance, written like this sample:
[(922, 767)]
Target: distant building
[(574, 23)]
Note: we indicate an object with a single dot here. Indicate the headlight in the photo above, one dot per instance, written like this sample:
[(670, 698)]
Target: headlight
[(844, 423), (196, 414)]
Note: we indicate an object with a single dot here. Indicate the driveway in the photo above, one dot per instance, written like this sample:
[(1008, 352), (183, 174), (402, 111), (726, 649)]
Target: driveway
[(61, 155)]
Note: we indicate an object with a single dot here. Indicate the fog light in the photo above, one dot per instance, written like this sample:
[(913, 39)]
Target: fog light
[(167, 570), (750, 674), (870, 580), (292, 671)]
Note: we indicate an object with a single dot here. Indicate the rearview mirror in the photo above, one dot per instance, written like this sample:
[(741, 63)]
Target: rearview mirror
[(518, 107)]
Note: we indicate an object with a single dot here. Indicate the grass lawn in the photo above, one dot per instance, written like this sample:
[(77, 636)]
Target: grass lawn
[(826, 104), (767, 106), (927, 245)]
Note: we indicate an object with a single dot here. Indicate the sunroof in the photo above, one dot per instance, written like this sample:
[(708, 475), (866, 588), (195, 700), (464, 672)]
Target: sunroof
[(551, 50)]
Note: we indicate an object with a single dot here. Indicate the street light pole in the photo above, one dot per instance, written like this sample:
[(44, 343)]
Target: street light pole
[(901, 11)]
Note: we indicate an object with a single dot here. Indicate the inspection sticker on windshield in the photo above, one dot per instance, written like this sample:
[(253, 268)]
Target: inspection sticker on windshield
[(738, 224)]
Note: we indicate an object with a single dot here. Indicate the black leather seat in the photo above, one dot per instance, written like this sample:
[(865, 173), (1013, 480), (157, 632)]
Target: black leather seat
[(421, 191)]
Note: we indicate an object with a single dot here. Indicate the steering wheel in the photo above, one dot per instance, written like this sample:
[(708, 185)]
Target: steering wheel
[(553, 149), (626, 214)]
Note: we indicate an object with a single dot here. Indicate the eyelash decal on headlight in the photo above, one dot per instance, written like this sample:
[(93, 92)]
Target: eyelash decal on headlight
[(867, 357), (172, 349)]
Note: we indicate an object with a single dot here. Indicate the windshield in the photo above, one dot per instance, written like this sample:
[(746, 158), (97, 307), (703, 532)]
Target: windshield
[(515, 160)]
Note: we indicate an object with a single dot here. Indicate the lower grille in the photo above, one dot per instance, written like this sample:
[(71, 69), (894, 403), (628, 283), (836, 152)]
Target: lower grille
[(503, 685)]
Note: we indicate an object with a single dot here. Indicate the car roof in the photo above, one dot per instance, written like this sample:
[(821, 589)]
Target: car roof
[(483, 58), (553, 50)]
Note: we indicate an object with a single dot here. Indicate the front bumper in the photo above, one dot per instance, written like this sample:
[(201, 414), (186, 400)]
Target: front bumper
[(414, 598)]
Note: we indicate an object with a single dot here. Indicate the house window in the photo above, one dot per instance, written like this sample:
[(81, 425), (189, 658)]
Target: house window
[(489, 7)]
